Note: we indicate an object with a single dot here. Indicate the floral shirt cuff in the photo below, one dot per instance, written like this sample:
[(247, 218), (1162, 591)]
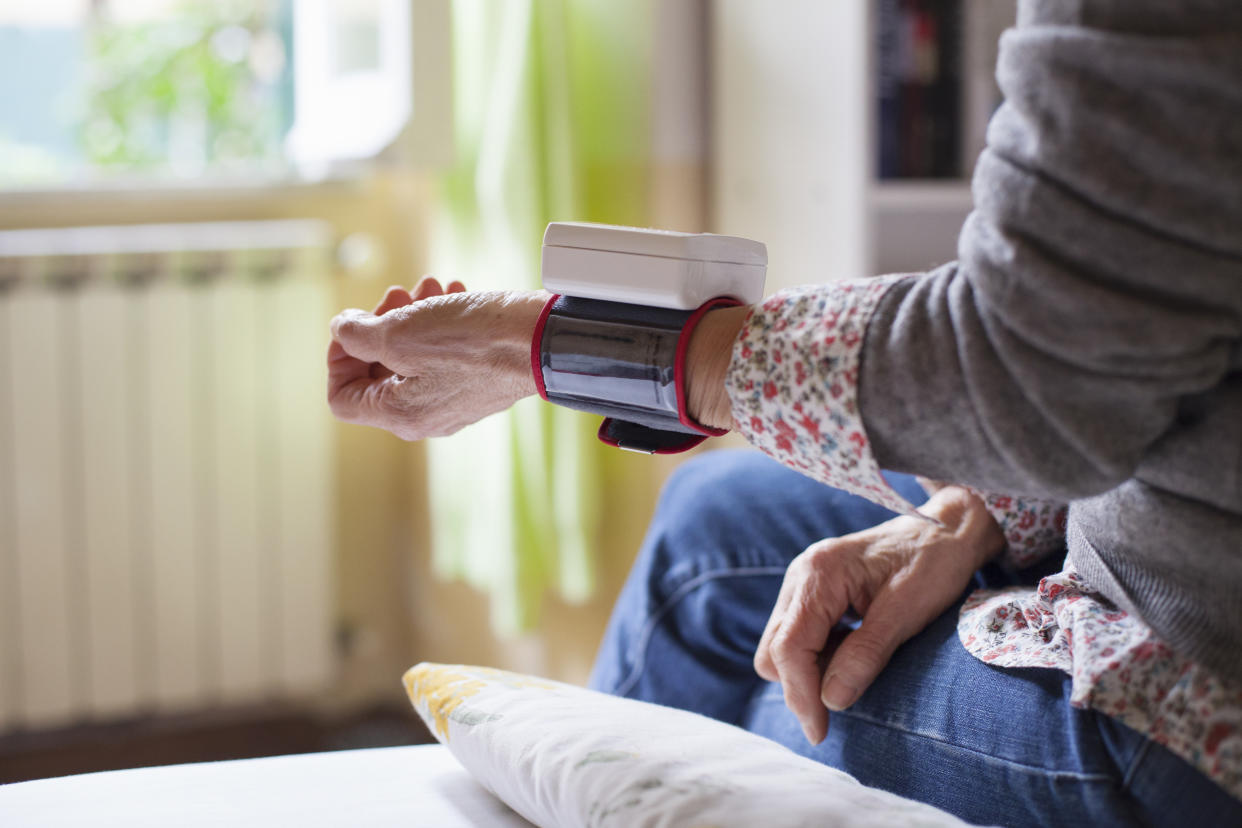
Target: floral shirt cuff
[(793, 384), (1033, 528)]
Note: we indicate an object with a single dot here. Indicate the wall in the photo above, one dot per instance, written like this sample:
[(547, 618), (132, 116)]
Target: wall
[(392, 611)]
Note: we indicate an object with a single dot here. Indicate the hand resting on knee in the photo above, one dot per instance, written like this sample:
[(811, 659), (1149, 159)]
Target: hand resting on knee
[(898, 576)]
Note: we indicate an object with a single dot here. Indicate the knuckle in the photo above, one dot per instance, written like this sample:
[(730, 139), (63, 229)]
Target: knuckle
[(815, 564), (825, 553), (803, 568), (346, 327), (783, 647)]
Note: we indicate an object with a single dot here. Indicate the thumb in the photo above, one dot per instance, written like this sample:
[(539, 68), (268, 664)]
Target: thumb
[(361, 334), (864, 653)]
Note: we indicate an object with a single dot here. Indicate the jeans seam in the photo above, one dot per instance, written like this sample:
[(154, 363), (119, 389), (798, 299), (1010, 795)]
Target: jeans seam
[(644, 639), (1080, 777), (1139, 755)]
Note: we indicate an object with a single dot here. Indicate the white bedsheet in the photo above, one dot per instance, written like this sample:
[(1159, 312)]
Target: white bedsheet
[(406, 786)]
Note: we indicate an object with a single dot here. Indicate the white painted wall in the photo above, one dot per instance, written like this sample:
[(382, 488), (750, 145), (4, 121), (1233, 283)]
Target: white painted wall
[(790, 134)]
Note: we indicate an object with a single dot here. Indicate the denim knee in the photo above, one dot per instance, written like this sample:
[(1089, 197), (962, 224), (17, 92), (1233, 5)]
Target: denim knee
[(736, 498), (685, 625)]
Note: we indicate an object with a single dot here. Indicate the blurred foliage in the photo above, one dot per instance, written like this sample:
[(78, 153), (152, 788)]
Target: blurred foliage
[(206, 86)]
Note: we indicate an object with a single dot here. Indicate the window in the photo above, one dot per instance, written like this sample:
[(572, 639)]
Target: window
[(201, 91)]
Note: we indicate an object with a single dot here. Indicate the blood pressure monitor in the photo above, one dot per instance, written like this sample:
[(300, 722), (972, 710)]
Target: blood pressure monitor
[(613, 337)]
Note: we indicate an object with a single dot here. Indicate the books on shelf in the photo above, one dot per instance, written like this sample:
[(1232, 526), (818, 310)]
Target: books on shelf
[(934, 84)]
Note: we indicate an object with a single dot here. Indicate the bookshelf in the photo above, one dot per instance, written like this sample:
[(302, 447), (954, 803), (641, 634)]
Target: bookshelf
[(795, 123)]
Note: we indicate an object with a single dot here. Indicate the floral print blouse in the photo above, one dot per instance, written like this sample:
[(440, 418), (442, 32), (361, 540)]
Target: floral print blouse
[(793, 385)]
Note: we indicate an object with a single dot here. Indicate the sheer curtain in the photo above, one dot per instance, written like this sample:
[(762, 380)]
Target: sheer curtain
[(551, 123)]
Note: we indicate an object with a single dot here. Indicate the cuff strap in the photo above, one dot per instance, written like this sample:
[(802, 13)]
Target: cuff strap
[(627, 362)]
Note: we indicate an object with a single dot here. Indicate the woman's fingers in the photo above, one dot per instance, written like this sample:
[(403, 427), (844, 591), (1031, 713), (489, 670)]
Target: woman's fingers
[(818, 599), (900, 576), (394, 297), (427, 287), (361, 334), (364, 329), (936, 567), (764, 665), (359, 350), (350, 383), (343, 368), (346, 375), (795, 652), (863, 653)]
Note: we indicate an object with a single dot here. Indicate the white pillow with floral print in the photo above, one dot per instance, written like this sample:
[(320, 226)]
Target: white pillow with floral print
[(563, 756)]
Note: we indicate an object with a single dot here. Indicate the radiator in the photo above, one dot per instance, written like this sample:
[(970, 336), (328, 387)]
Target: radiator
[(166, 480)]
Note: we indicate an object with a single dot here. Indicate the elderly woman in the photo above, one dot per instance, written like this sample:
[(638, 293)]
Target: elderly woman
[(1077, 375)]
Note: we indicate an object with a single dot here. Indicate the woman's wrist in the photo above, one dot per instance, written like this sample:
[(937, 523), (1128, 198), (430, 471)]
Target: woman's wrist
[(963, 513), (515, 328), (707, 364)]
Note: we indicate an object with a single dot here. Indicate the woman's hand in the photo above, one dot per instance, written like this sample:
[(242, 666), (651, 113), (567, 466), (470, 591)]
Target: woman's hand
[(429, 363), (898, 576)]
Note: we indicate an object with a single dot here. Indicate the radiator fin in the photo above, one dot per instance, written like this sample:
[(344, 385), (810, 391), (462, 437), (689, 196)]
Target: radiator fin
[(177, 482), (106, 408), (37, 393)]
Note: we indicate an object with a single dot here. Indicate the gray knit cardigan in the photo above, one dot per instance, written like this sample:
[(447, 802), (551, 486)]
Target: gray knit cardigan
[(1087, 345)]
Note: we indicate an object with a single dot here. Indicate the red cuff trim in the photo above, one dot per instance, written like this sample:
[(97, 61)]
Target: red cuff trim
[(679, 363), (536, 345)]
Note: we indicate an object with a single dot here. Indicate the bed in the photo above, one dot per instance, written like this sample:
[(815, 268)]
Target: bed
[(409, 786), (513, 748)]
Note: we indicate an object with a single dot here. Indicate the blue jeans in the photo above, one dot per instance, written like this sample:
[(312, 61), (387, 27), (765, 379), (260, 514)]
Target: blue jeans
[(991, 745)]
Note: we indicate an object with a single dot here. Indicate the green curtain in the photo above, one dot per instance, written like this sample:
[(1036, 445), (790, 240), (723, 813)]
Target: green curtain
[(551, 123)]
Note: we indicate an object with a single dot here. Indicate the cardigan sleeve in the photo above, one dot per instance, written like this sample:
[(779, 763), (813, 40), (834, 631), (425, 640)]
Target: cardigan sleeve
[(1099, 281), (1098, 287)]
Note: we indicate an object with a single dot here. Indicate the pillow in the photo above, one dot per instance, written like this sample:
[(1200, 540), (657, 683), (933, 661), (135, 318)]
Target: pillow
[(563, 756)]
